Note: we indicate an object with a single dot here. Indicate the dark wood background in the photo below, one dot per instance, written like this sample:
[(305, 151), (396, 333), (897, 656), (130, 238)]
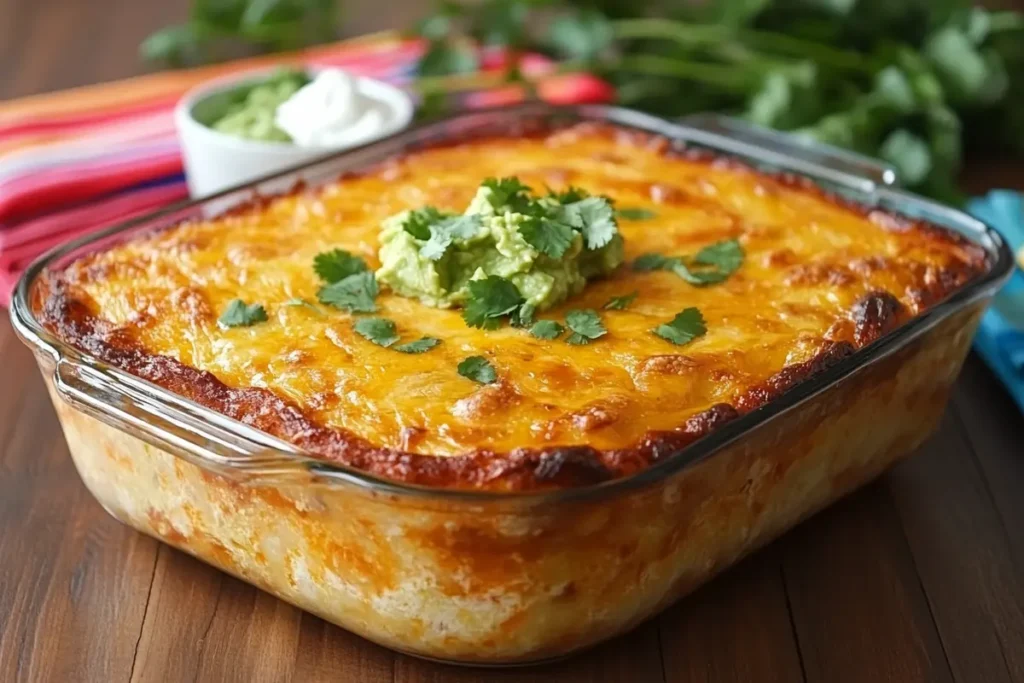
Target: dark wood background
[(918, 577)]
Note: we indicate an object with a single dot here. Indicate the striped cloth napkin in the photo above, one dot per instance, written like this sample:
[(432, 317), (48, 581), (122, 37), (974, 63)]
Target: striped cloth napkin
[(77, 161)]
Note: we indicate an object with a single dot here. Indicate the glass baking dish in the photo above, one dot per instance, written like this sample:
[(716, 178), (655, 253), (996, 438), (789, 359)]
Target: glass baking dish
[(510, 578)]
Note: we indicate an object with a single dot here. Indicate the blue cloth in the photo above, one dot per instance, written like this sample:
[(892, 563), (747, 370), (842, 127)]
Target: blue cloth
[(1000, 339)]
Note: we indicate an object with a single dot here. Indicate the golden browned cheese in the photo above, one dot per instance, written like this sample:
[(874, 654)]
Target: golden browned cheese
[(816, 272)]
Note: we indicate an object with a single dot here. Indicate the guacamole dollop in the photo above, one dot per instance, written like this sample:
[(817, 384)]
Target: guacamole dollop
[(542, 245), (249, 113)]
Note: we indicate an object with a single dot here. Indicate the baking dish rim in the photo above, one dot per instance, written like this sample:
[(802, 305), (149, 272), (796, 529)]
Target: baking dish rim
[(276, 458)]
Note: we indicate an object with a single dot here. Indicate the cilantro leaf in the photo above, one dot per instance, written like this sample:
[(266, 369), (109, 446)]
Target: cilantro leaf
[(337, 264), (650, 262), (380, 331), (726, 255), (297, 301), (547, 329), (523, 316), (598, 221), (635, 213), (445, 231), (712, 264), (505, 191), (570, 195), (585, 325), (238, 314), (547, 236), (354, 294), (418, 346), (699, 278), (489, 300), (418, 222), (568, 214), (620, 303), (478, 369), (684, 328)]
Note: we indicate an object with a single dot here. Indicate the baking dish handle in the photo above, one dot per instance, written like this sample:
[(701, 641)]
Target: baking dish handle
[(815, 158), (220, 449)]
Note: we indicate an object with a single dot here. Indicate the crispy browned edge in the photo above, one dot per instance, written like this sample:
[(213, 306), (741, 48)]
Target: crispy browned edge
[(874, 315)]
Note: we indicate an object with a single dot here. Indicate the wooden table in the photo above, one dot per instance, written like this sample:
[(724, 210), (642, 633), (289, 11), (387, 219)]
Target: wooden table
[(918, 577)]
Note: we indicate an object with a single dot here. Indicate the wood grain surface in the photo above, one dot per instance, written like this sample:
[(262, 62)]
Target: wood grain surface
[(918, 577)]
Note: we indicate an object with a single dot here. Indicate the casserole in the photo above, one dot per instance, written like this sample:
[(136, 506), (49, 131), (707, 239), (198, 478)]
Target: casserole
[(532, 553)]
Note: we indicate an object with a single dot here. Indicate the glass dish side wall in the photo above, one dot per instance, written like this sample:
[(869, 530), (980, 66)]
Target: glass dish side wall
[(515, 581)]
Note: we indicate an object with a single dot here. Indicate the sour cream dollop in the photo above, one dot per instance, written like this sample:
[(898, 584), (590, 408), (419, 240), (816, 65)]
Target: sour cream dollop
[(331, 111)]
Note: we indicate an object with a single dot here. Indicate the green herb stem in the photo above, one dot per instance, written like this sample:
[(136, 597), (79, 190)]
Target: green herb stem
[(724, 77), (1002, 22), (692, 35)]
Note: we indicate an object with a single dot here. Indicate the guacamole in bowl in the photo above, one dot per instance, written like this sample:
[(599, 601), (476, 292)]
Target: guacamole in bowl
[(251, 116)]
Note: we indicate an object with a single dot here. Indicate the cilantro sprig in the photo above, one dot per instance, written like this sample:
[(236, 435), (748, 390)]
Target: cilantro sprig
[(569, 195), (350, 284), (547, 329), (507, 192), (686, 326), (586, 326), (711, 265), (445, 231), (383, 332), (354, 294), (419, 346), (380, 331), (654, 261), (478, 369), (438, 230), (595, 219), (547, 235), (418, 222), (523, 316), (337, 264), (621, 303), (553, 220), (240, 314), (489, 301)]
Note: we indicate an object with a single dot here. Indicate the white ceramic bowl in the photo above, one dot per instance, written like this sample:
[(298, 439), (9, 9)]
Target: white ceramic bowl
[(216, 161)]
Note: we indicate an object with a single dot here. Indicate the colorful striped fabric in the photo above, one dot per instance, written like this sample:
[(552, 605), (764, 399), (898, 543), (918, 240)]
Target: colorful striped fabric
[(77, 161)]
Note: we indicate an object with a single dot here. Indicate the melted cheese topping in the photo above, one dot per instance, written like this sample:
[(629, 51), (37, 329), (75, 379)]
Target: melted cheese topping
[(808, 260)]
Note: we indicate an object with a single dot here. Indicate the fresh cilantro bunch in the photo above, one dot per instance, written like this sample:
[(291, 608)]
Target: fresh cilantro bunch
[(917, 83), (222, 29)]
